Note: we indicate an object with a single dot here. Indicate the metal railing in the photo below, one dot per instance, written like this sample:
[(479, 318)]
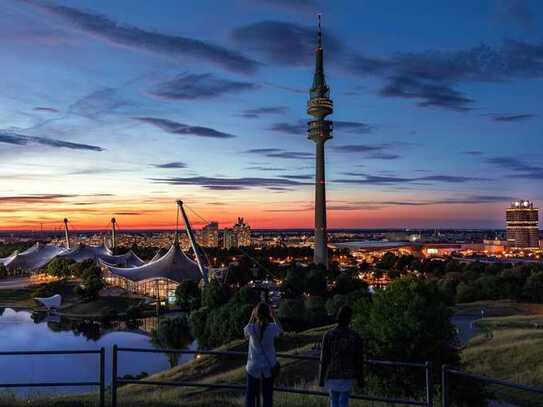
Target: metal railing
[(447, 372), (101, 374), (116, 381)]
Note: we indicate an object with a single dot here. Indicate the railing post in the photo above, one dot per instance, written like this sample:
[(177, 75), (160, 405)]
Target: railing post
[(114, 378), (102, 377), (429, 385), (444, 387), (258, 392)]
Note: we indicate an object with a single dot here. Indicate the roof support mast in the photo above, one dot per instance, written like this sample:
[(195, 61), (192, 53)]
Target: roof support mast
[(192, 240), (113, 224), (66, 233)]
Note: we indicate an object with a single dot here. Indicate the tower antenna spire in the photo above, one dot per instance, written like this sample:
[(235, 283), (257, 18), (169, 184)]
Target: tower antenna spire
[(319, 32)]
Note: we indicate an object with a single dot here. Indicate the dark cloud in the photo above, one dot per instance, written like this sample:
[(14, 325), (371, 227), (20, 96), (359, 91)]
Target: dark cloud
[(198, 86), (176, 164), (289, 128), (283, 43), (174, 127), (263, 168), (216, 183), (300, 127), (290, 4), (256, 113), (279, 153), (374, 151), (46, 109), (520, 169), (364, 178), (129, 213), (475, 153), (352, 127), (517, 11), (297, 176), (427, 93), (9, 137), (512, 117), (136, 38), (45, 198)]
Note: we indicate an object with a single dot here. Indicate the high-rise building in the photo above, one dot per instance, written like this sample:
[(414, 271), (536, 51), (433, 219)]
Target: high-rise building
[(242, 233), (522, 225), (229, 239), (210, 235), (319, 106)]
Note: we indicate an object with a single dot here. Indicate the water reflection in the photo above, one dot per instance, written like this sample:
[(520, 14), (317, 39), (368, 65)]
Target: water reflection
[(22, 330)]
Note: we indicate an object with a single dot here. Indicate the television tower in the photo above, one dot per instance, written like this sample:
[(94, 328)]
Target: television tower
[(319, 106)]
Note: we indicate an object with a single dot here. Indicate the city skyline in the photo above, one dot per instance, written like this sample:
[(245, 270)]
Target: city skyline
[(120, 109)]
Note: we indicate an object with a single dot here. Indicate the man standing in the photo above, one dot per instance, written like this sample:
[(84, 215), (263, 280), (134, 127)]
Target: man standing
[(342, 359)]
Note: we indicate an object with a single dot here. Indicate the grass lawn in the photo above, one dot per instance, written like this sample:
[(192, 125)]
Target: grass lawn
[(99, 307), (19, 298), (509, 348)]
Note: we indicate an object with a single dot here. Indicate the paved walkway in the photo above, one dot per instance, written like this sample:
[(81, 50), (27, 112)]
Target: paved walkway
[(15, 283)]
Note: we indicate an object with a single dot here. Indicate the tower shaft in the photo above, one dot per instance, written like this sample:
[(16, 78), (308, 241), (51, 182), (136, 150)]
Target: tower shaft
[(320, 255)]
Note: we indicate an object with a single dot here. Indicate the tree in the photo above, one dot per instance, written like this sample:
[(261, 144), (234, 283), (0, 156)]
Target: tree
[(188, 295), (315, 310), (533, 289), (214, 295), (172, 333), (91, 283), (409, 322), (291, 310), (3, 271), (467, 292), (59, 267), (315, 283), (346, 283)]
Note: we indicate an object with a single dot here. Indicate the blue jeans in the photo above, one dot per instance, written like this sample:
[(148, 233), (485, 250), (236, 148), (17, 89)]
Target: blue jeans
[(255, 386), (339, 398)]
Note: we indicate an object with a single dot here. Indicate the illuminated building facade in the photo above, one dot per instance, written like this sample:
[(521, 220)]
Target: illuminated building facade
[(210, 235), (242, 233), (522, 225), (229, 240)]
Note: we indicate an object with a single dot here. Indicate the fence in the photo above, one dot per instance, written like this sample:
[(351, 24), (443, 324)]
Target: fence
[(447, 372), (116, 381), (101, 375)]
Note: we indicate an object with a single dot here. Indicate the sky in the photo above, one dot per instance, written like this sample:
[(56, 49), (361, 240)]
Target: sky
[(118, 108)]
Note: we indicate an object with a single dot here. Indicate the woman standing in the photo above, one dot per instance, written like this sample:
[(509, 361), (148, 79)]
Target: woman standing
[(342, 359), (261, 330)]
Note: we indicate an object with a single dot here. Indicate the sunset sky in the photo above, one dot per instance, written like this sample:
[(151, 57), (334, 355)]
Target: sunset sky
[(118, 108)]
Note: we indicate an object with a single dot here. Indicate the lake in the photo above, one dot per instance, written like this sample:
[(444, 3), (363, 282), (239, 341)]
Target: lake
[(20, 332)]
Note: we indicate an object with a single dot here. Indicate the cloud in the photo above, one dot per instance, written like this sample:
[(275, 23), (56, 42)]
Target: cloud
[(46, 109), (280, 153), (297, 5), (289, 128), (297, 176), (129, 213), (474, 153), (263, 168), (512, 117), (375, 151), (391, 179), (516, 11), (520, 169), (44, 198), (216, 183), (283, 43), (176, 164), (300, 127), (427, 93), (98, 102), (174, 127), (178, 47), (352, 127), (256, 113), (9, 137), (198, 86)]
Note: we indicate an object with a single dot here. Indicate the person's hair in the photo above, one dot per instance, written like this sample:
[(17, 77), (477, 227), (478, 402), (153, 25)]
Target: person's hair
[(262, 316), (344, 316)]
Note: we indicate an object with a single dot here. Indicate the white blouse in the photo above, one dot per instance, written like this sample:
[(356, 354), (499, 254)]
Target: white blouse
[(261, 355)]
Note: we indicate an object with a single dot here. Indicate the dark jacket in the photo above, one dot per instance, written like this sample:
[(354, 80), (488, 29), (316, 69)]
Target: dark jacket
[(342, 356)]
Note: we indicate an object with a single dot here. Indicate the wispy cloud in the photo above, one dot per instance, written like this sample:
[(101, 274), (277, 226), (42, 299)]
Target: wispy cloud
[(364, 178), (519, 168), (198, 86), (46, 109), (176, 164), (256, 113), (171, 126), (9, 137), (174, 46), (218, 183), (280, 153), (371, 151), (512, 117)]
